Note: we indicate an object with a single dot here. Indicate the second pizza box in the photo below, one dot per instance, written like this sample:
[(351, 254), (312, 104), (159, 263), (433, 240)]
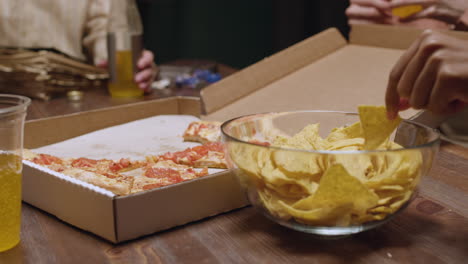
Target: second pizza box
[(323, 72)]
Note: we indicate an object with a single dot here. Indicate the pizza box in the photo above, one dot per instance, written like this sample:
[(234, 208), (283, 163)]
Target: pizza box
[(324, 72), (121, 218)]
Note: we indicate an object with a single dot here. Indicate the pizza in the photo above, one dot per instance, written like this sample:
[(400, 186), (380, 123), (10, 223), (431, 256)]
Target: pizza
[(93, 172), (118, 184), (203, 131), (104, 166), (120, 177), (162, 173), (125, 176), (208, 155)]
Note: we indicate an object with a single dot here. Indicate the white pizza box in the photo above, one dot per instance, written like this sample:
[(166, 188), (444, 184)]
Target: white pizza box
[(324, 71), (121, 218)]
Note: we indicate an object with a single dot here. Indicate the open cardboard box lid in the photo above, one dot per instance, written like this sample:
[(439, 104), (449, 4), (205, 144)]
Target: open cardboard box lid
[(322, 72)]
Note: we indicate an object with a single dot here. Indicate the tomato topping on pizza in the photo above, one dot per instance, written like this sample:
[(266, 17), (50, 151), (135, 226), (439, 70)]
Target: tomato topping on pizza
[(120, 165), (46, 159), (208, 155), (83, 162)]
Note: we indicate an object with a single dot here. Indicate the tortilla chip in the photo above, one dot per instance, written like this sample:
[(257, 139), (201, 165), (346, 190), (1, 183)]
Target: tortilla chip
[(406, 11), (375, 125), (308, 139), (348, 132), (298, 164), (338, 188)]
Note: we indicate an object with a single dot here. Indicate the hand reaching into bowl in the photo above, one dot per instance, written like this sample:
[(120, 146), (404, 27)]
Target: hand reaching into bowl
[(432, 74)]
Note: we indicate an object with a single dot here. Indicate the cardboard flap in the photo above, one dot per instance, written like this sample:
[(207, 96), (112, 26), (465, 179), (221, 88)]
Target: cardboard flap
[(262, 73), (383, 36), (394, 37), (341, 81)]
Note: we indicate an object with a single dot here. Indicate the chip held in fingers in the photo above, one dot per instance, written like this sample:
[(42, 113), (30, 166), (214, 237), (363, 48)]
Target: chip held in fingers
[(376, 127), (406, 11)]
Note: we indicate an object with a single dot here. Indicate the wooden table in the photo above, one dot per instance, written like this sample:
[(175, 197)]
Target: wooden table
[(433, 229)]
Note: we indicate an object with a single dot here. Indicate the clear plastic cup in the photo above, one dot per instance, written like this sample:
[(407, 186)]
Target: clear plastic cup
[(12, 115), (124, 48)]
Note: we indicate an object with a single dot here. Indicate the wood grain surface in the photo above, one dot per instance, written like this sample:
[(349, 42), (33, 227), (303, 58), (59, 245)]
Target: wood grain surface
[(433, 229)]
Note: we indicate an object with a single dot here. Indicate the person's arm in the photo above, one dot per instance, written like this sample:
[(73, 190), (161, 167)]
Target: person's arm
[(369, 12), (432, 74), (95, 42), (95, 28)]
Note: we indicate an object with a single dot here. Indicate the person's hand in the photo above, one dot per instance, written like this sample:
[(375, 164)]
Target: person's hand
[(147, 71), (448, 11), (432, 74), (369, 12)]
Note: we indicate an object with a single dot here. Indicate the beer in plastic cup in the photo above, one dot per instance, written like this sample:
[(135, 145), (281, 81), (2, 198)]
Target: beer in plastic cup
[(12, 114)]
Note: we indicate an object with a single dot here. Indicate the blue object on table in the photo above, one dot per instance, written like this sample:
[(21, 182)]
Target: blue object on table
[(213, 77), (199, 77), (201, 74)]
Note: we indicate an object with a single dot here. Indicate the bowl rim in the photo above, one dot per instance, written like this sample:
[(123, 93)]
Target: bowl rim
[(429, 144)]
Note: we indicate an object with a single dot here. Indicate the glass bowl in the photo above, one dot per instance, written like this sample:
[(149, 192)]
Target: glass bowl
[(336, 191)]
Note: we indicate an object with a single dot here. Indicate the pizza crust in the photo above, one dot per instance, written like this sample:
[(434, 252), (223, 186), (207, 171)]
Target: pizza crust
[(120, 185), (203, 132)]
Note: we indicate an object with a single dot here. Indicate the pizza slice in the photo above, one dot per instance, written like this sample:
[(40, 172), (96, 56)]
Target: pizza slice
[(162, 173), (116, 183), (102, 165), (105, 166), (209, 155), (203, 131), (52, 162), (104, 173)]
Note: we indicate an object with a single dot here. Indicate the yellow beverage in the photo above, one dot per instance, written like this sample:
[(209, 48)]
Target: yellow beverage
[(406, 11), (10, 200), (124, 84)]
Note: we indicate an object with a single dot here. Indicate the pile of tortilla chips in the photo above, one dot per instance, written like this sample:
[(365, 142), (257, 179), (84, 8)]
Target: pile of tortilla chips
[(341, 188)]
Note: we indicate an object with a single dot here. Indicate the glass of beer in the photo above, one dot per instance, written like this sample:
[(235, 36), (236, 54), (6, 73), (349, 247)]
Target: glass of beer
[(124, 48), (12, 115)]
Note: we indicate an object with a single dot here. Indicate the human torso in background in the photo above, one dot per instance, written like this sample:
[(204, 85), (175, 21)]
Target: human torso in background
[(76, 28)]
